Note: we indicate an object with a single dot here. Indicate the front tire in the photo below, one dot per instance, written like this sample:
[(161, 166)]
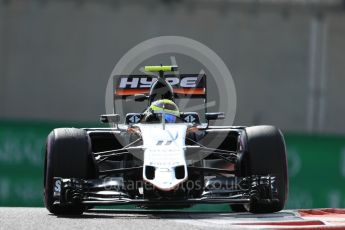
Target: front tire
[(68, 155), (265, 154), (238, 208)]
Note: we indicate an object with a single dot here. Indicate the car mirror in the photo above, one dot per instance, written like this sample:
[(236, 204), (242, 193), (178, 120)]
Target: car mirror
[(140, 97), (215, 116), (110, 118)]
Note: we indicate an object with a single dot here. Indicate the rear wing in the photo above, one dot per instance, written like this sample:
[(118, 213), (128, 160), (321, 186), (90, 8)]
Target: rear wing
[(184, 85)]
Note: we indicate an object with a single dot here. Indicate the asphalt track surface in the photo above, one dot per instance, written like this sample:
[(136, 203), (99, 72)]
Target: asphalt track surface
[(40, 218)]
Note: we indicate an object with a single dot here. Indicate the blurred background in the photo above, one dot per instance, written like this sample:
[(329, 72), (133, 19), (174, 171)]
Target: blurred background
[(287, 58)]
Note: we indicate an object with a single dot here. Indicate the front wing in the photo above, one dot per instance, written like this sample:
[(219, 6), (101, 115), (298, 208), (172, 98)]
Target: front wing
[(110, 192)]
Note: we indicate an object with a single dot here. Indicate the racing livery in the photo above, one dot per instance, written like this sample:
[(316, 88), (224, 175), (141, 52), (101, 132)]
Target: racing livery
[(163, 157)]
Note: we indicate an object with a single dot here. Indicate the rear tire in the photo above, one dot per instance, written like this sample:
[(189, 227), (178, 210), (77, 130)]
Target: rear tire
[(265, 154), (68, 155)]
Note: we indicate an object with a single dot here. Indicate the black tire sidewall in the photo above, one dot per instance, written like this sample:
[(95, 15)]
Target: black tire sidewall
[(265, 154), (68, 155)]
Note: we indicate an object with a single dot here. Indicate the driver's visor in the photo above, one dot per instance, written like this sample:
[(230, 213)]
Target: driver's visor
[(169, 118)]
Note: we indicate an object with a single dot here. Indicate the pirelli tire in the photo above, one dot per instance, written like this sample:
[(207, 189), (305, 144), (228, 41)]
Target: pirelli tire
[(265, 154), (67, 155)]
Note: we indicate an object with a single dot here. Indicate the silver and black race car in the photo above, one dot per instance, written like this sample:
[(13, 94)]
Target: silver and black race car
[(162, 157)]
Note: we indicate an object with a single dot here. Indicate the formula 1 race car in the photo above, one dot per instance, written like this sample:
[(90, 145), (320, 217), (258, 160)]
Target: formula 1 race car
[(163, 157)]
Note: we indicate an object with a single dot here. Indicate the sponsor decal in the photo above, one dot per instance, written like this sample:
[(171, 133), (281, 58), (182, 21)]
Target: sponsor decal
[(167, 142), (146, 82), (193, 84), (189, 119), (134, 119), (57, 187)]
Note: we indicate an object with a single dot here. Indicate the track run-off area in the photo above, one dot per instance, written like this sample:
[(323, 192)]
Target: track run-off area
[(40, 218)]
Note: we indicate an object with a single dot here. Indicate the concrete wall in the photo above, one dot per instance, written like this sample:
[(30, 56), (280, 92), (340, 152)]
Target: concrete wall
[(56, 57)]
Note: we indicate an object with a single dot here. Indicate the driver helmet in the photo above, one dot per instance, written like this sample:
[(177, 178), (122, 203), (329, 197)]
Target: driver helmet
[(166, 106)]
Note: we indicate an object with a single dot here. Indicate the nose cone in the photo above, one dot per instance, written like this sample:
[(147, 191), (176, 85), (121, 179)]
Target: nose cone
[(165, 164)]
